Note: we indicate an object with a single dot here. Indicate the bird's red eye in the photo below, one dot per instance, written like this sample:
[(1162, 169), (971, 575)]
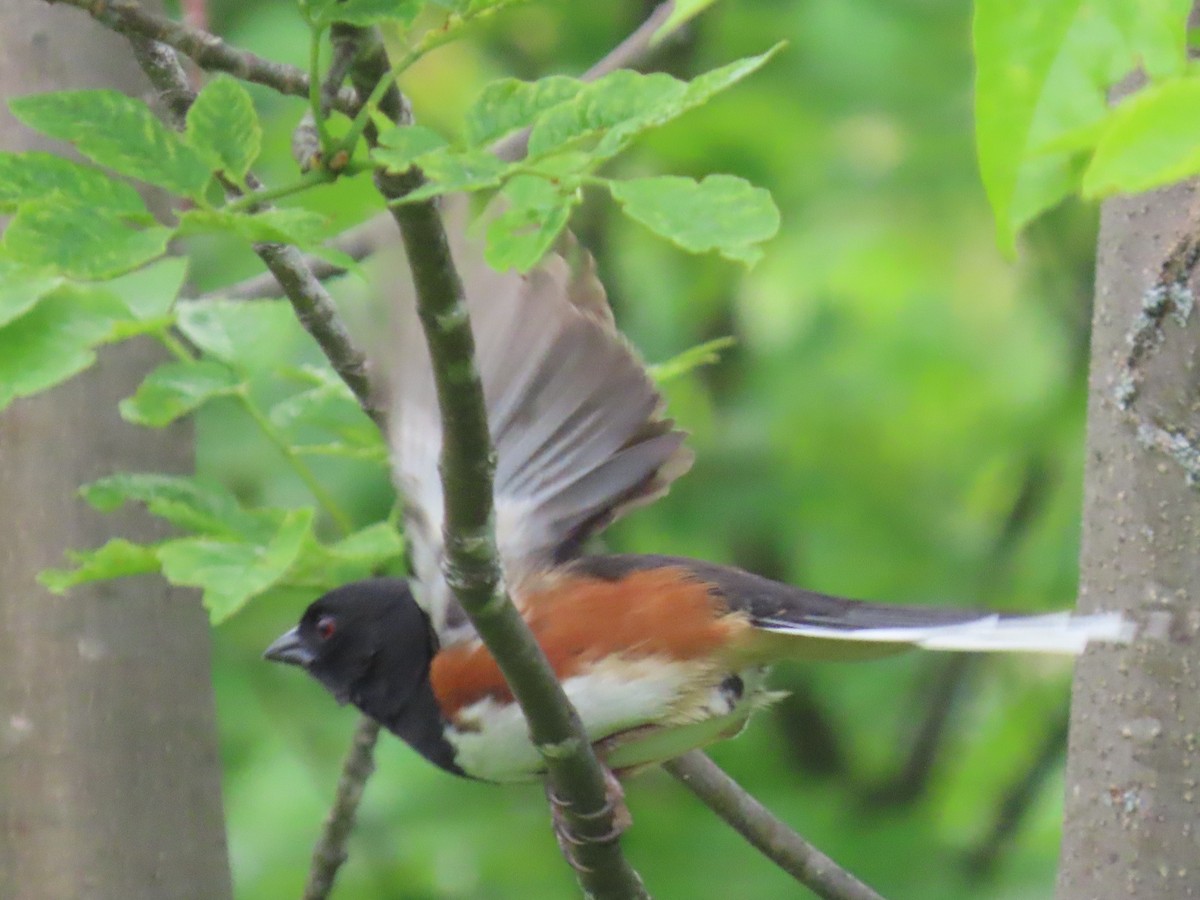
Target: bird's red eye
[(326, 626)]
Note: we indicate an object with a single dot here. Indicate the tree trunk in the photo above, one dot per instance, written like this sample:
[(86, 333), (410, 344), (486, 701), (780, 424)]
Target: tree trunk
[(110, 782), (1133, 804)]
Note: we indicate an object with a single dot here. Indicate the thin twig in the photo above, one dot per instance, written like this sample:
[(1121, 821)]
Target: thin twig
[(329, 853), (769, 835), (207, 50)]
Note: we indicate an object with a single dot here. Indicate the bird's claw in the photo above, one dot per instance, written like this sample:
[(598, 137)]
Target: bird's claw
[(564, 820)]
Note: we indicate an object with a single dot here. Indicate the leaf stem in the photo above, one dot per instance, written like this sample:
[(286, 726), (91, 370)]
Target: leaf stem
[(248, 202)]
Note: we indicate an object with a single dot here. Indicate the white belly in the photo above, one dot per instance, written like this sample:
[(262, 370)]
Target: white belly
[(492, 741)]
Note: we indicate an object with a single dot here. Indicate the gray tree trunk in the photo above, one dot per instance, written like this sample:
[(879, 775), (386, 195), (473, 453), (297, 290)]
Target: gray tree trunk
[(109, 776), (1132, 825)]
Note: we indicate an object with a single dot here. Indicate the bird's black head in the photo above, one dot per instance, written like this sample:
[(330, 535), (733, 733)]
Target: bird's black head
[(371, 645)]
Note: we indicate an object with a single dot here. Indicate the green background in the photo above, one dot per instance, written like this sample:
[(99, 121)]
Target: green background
[(901, 419)]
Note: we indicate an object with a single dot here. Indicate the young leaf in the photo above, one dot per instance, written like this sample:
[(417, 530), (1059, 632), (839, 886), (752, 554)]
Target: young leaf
[(78, 241), (54, 339), (150, 291), (623, 104), (21, 286), (535, 212), (236, 332), (508, 104), (34, 175), (706, 354), (187, 503), (400, 147), (176, 389), (232, 572), (115, 559), (301, 227), (1043, 71), (223, 127), (118, 132), (450, 172), (1152, 140), (361, 555), (721, 213), (328, 409)]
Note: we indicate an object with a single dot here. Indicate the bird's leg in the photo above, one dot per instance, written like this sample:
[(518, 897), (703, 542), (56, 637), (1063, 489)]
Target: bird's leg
[(568, 836)]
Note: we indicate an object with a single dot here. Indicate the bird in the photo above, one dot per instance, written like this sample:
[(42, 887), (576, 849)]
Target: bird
[(658, 654)]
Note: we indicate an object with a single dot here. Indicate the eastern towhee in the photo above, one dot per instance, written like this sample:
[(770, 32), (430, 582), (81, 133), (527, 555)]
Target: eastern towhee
[(659, 654)]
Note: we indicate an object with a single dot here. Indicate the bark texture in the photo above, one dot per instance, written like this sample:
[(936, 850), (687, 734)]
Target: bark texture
[(1133, 805), (109, 775)]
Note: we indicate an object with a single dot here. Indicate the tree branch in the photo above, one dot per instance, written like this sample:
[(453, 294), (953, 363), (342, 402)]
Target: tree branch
[(472, 562), (207, 50), (330, 850), (769, 835)]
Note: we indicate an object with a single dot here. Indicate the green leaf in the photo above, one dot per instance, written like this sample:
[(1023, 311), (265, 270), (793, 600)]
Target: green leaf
[(293, 225), (402, 146), (32, 176), (191, 504), (232, 572), (1044, 68), (115, 559), (78, 241), (328, 409), (705, 354), (176, 389), (1152, 140), (150, 291), (236, 332), (54, 340), (721, 213), (508, 104), (535, 213), (118, 132), (21, 286), (451, 172), (360, 555), (623, 104), (364, 12), (223, 127)]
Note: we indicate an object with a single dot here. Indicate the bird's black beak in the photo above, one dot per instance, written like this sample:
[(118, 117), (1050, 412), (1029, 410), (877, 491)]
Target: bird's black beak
[(289, 648)]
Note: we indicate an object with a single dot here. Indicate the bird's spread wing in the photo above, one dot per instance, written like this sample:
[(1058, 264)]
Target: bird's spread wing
[(575, 419)]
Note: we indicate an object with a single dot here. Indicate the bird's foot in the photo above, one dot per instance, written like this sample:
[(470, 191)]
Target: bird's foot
[(567, 822)]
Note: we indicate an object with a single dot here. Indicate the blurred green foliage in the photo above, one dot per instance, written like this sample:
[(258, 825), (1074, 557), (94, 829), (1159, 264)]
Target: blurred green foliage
[(901, 418)]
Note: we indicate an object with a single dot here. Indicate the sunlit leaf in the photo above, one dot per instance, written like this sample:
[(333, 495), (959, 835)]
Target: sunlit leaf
[(508, 104), (79, 241), (1153, 140), (119, 132), (34, 175), (232, 572), (115, 559), (55, 339), (176, 389), (721, 213), (223, 127), (535, 213)]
